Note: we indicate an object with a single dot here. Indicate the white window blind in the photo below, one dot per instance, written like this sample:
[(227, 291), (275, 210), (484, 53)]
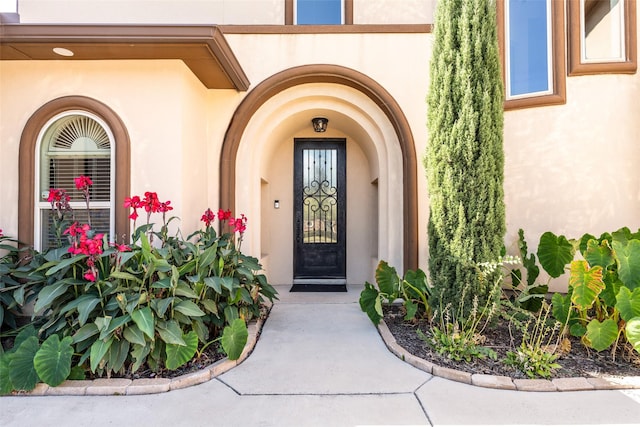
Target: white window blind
[(75, 145)]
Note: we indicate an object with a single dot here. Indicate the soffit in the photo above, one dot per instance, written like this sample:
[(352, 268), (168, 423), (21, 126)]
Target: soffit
[(203, 49)]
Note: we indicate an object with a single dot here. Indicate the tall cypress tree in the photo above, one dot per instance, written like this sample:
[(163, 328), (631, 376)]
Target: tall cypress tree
[(465, 157)]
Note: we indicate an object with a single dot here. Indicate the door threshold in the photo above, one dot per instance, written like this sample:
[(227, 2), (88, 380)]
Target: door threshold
[(319, 285)]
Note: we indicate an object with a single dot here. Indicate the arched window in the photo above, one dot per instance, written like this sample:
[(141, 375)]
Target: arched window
[(73, 144), (65, 138)]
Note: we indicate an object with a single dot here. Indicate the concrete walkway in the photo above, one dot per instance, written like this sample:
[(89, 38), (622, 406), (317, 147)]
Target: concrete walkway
[(320, 362)]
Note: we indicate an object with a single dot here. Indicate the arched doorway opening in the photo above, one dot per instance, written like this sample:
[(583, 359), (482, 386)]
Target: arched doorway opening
[(381, 163)]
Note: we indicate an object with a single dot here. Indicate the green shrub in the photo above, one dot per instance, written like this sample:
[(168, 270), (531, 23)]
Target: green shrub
[(121, 307)]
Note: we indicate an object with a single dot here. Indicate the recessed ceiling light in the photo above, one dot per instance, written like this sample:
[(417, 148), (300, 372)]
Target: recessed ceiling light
[(62, 51)]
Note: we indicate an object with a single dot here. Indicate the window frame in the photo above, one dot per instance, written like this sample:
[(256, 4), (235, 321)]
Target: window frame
[(41, 206), (289, 13), (28, 154), (627, 66), (557, 91)]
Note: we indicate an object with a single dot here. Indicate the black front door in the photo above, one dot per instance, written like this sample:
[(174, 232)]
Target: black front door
[(319, 208)]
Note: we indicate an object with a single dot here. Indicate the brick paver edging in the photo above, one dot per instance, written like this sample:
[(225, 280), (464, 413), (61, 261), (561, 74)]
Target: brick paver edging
[(506, 383), (123, 386)]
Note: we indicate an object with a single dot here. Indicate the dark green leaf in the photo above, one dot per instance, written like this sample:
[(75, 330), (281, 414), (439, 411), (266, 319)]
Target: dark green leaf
[(22, 372), (234, 338), (628, 256), (387, 279), (85, 332), (98, 351), (189, 308), (369, 303), (53, 361), (48, 294), (134, 335), (628, 303), (554, 253), (178, 355), (171, 333), (144, 319)]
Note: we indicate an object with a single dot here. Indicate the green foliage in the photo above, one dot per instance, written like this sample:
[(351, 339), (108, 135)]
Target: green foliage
[(535, 356), (412, 289), (458, 335), (464, 159), (15, 291), (554, 253), (528, 295), (152, 305), (603, 296)]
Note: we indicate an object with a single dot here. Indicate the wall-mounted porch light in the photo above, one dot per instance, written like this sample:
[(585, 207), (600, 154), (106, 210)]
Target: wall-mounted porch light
[(319, 124)]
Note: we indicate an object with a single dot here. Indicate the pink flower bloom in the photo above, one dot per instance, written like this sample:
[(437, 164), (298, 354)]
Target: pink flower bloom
[(83, 182), (164, 206), (1, 235), (90, 276), (121, 248), (239, 224)]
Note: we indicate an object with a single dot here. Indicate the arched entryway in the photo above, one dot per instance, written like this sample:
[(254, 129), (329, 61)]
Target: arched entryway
[(382, 153)]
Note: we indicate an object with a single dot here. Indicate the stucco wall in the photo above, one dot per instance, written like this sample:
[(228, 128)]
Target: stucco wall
[(569, 169), (243, 12), (165, 109)]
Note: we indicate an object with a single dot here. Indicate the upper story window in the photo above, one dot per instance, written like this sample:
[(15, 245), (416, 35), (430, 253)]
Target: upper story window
[(602, 37), (319, 12), (532, 45), (73, 144)]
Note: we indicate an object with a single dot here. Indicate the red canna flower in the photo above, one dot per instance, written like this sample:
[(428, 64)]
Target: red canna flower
[(150, 202), (208, 217), (90, 276), (83, 182), (133, 203), (239, 224), (224, 215), (164, 206)]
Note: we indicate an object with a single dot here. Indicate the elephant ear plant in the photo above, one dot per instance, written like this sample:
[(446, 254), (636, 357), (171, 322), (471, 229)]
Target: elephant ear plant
[(412, 289), (110, 309), (602, 305)]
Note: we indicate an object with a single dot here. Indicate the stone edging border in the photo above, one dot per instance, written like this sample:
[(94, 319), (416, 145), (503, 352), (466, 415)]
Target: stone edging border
[(506, 383), (124, 386)]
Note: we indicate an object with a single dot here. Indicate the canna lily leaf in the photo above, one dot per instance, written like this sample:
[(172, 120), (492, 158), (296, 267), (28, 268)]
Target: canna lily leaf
[(586, 283), (98, 351), (171, 333), (118, 353), (87, 331), (178, 355), (64, 263), (143, 318), (214, 283), (48, 294), (134, 335), (189, 308), (234, 338), (53, 361)]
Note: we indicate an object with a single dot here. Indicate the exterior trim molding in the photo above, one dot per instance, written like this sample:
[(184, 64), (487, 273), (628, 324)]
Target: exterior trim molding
[(324, 73), (558, 57), (27, 153), (578, 68), (328, 29), (203, 48)]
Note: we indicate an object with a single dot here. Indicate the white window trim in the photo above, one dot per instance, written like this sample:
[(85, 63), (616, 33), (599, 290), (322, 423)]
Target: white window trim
[(39, 205), (507, 54), (295, 12), (583, 37)]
